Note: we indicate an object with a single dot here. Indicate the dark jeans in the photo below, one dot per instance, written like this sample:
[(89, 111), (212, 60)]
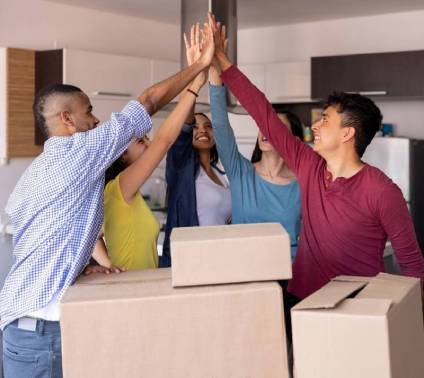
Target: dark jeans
[(32, 353)]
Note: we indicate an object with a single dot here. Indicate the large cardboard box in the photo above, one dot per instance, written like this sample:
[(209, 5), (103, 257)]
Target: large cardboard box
[(136, 324), (377, 332), (232, 253)]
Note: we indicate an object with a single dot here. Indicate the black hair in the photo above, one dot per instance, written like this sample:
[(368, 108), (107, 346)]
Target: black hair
[(213, 153), (359, 112), (296, 129), (115, 169), (41, 98)]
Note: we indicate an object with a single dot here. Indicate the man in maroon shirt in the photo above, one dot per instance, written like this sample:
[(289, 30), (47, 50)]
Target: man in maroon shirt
[(349, 208)]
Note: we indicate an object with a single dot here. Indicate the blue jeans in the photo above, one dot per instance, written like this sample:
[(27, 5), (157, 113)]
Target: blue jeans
[(32, 354)]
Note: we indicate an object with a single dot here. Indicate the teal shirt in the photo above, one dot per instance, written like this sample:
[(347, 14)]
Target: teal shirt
[(254, 200)]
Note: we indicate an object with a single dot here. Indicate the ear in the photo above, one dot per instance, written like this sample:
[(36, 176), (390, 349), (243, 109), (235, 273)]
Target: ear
[(348, 134), (67, 121)]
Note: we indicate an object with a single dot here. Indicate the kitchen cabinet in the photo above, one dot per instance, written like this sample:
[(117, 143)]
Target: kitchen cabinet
[(109, 80), (255, 73), (17, 88), (393, 74), (288, 82), (282, 82)]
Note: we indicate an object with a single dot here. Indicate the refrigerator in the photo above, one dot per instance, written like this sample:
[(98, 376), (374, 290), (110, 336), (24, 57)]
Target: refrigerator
[(402, 159)]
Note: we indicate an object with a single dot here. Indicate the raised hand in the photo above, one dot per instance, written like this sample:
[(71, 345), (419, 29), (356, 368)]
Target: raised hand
[(207, 45), (220, 41), (193, 46)]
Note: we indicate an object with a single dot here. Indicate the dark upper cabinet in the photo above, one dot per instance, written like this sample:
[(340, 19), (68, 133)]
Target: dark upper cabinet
[(398, 74)]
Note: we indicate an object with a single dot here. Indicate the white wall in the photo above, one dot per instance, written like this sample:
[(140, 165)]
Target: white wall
[(392, 32)]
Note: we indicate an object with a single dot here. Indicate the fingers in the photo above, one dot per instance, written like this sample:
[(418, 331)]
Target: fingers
[(187, 46), (197, 34), (192, 31), (223, 32)]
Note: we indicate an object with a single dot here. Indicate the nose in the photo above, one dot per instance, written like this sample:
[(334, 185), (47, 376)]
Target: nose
[(316, 125)]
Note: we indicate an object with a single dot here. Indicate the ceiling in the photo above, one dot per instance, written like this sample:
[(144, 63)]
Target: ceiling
[(254, 13)]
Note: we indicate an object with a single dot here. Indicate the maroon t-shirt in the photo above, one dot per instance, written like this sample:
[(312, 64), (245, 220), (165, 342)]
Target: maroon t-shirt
[(345, 222)]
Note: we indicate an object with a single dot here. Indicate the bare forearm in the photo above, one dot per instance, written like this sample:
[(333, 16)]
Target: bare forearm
[(100, 254), (157, 96), (215, 76)]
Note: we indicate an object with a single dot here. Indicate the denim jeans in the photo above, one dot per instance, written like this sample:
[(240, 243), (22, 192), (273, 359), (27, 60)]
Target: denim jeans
[(32, 354)]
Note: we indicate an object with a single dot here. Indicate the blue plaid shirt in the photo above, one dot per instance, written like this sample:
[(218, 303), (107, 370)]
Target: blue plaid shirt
[(56, 211)]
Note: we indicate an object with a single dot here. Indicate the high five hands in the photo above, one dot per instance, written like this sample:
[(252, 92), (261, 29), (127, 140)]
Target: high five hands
[(208, 46), (200, 48)]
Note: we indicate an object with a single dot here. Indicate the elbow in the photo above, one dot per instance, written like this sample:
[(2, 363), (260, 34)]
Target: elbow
[(146, 99)]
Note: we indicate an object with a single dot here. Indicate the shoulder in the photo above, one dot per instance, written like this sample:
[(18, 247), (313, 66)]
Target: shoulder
[(381, 190)]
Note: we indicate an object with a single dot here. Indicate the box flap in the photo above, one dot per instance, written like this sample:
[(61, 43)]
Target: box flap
[(352, 279), (330, 295), (389, 286)]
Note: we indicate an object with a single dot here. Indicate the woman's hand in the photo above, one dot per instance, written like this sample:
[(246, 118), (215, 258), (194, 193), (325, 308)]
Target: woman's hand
[(101, 269)]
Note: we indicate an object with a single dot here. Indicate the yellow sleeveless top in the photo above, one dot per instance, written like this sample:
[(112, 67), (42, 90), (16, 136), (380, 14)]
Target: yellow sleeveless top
[(130, 230)]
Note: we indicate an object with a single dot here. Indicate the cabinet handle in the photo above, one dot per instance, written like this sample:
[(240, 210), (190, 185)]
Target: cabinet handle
[(114, 94), (370, 93)]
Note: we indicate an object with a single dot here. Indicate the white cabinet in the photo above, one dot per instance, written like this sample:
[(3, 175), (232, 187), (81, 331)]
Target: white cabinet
[(255, 73), (106, 75), (283, 82), (288, 81), (112, 80), (162, 69)]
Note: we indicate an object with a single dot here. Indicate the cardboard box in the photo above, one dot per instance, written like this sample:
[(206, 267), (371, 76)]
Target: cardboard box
[(136, 324), (232, 253), (377, 333)]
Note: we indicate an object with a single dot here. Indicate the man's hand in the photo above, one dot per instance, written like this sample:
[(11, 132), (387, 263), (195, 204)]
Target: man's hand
[(194, 52), (220, 41), (207, 46), (101, 269)]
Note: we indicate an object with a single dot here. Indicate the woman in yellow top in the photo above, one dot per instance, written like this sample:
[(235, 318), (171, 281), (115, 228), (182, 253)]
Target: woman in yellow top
[(130, 228)]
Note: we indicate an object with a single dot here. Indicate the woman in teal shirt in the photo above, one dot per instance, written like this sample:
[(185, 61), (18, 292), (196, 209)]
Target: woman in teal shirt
[(264, 189)]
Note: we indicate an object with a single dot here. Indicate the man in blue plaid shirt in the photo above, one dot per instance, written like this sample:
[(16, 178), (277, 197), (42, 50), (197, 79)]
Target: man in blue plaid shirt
[(56, 212)]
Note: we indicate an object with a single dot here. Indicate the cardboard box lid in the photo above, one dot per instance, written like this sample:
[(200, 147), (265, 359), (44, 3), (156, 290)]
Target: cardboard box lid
[(330, 295), (381, 291), (234, 231), (388, 286), (139, 285)]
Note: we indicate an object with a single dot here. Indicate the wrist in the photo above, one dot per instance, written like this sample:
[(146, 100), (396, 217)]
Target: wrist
[(223, 60)]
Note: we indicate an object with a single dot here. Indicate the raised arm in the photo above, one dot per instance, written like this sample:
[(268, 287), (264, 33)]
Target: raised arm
[(137, 173), (224, 136), (291, 149)]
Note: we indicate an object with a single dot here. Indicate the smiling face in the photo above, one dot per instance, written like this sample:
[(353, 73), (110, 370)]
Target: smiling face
[(329, 134), (202, 133), (263, 142)]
